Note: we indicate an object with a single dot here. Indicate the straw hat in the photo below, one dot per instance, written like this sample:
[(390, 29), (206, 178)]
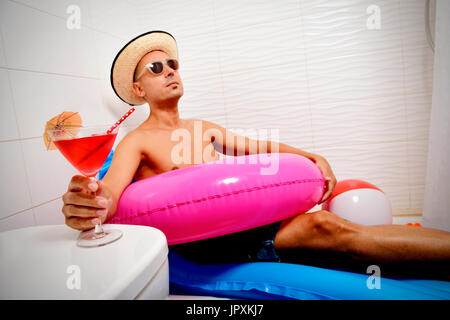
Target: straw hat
[(125, 62)]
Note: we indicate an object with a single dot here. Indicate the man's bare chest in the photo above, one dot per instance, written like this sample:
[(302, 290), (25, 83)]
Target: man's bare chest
[(164, 153)]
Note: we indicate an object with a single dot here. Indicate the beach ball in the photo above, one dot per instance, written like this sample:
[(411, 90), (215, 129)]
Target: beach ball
[(360, 202)]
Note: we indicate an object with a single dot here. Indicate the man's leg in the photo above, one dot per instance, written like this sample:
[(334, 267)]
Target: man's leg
[(322, 233)]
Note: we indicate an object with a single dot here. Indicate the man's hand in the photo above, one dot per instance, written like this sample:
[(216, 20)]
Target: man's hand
[(330, 179), (85, 202)]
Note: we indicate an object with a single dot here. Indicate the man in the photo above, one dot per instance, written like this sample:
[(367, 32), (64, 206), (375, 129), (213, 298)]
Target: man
[(146, 71)]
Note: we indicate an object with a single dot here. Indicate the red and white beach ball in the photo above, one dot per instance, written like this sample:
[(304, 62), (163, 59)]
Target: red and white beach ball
[(360, 202)]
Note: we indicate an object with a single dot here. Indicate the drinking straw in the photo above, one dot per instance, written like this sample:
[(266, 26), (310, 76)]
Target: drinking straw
[(126, 115)]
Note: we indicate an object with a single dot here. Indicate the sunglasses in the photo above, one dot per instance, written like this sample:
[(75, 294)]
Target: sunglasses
[(157, 67)]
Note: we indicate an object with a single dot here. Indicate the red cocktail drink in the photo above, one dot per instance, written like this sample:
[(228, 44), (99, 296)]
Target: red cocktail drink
[(87, 148), (87, 154)]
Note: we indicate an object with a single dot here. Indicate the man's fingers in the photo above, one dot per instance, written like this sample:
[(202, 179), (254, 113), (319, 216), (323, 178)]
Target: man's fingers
[(99, 185), (82, 212), (325, 197), (80, 223), (81, 183), (84, 199), (85, 203), (327, 191)]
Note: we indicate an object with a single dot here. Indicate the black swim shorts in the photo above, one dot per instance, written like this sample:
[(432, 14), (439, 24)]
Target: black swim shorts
[(254, 245)]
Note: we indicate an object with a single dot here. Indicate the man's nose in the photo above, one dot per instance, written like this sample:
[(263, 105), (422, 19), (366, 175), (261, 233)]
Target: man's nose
[(168, 71)]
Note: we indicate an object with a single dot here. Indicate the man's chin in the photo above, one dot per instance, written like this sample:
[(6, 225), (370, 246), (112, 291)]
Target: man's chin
[(176, 92), (175, 95)]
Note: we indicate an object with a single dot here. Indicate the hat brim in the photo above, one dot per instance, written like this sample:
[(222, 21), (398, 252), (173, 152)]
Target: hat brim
[(125, 62)]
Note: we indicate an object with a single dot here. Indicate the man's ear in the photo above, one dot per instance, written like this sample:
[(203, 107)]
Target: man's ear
[(138, 90)]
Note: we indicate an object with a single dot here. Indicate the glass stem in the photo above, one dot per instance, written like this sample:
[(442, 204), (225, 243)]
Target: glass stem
[(98, 227)]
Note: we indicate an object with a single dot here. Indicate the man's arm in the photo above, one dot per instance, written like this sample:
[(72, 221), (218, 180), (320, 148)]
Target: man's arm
[(229, 143), (124, 165)]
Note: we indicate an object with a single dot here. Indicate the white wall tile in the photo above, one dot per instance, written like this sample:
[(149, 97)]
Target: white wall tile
[(418, 108), (418, 69), (59, 8), (113, 107), (398, 196), (340, 28), (346, 59), (379, 163), (2, 53), (114, 17), (48, 172), (234, 14), (417, 161), (412, 22), (107, 47), (359, 121), (39, 97), (203, 99), (49, 213), (274, 97), (20, 220), (15, 195), (199, 56), (359, 76), (179, 18), (8, 123), (258, 46), (417, 195), (38, 41)]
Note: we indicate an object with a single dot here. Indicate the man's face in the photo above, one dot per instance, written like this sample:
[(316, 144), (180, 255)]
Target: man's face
[(156, 86)]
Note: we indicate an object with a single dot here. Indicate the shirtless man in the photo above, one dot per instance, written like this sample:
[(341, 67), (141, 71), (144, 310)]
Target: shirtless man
[(147, 151)]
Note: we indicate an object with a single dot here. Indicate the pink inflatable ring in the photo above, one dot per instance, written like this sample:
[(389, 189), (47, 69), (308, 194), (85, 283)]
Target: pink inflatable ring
[(217, 198)]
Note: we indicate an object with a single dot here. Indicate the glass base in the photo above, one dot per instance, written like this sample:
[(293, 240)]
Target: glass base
[(88, 239)]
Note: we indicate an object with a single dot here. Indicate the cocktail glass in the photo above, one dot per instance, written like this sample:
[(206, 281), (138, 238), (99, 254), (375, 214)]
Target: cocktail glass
[(87, 148)]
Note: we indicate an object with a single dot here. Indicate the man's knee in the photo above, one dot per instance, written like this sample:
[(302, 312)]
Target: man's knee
[(340, 234), (310, 230), (324, 222), (329, 231)]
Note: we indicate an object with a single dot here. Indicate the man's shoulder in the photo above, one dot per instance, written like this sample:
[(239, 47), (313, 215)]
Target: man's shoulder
[(209, 125), (205, 123), (191, 122), (134, 137)]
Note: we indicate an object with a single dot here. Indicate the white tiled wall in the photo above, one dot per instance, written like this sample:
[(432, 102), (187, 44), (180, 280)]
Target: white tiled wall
[(311, 69), (47, 68)]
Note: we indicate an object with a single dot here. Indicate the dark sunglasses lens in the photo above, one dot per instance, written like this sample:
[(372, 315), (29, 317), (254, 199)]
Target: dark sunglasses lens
[(156, 67), (173, 64)]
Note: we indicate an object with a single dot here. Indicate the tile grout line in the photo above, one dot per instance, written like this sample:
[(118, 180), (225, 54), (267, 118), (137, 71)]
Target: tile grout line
[(306, 69), (52, 73), (219, 50), (21, 146), (92, 28), (20, 139), (404, 97), (30, 208)]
